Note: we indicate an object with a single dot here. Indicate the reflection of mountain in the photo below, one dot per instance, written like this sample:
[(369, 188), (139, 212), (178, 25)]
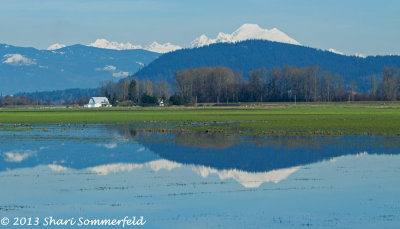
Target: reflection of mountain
[(155, 165), (74, 155), (263, 153), (248, 180), (229, 156)]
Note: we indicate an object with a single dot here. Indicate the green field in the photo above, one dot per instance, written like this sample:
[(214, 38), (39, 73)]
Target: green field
[(278, 118)]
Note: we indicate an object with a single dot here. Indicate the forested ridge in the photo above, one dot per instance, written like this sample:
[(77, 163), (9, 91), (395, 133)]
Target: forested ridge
[(248, 55)]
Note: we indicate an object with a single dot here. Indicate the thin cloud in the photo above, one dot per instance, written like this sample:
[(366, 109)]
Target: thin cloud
[(120, 74), (18, 60)]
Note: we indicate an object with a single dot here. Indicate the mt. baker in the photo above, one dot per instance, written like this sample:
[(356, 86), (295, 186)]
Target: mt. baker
[(246, 32)]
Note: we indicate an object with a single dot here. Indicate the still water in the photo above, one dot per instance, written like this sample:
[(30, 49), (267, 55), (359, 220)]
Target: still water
[(197, 180)]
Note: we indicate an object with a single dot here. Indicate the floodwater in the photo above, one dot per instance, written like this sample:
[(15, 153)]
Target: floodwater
[(196, 180)]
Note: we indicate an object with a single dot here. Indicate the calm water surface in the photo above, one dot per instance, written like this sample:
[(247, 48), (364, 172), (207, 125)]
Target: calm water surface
[(199, 180)]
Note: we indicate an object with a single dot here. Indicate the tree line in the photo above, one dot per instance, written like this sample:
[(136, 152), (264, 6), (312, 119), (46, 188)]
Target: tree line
[(22, 100), (306, 84), (222, 85), (130, 92)]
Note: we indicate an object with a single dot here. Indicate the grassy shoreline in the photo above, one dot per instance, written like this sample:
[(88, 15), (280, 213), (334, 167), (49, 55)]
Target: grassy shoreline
[(275, 118)]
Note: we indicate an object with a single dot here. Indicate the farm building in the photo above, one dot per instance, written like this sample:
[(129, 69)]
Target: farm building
[(98, 102)]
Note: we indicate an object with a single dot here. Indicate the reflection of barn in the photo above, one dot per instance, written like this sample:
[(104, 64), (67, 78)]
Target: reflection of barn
[(98, 102)]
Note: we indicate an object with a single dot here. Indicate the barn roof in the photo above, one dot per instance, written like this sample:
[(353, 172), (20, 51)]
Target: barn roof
[(101, 100)]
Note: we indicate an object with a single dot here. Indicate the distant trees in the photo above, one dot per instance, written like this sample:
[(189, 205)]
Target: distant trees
[(130, 92), (389, 87), (148, 100), (133, 92), (19, 100), (221, 85), (205, 84), (373, 88), (67, 97)]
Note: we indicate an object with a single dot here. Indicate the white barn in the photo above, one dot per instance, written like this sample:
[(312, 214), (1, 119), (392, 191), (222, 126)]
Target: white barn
[(98, 102)]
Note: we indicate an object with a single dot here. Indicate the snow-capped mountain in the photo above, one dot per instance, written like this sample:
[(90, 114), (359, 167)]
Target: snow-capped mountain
[(246, 32), (154, 47), (105, 44), (162, 48)]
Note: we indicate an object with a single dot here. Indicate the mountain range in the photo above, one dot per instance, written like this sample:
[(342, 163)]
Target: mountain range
[(247, 48), (76, 66), (248, 55), (244, 32)]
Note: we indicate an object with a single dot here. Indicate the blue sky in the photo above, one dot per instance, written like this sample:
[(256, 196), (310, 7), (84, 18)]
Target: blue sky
[(350, 26)]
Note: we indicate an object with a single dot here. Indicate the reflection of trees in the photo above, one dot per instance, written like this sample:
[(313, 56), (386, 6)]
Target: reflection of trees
[(126, 131), (206, 140), (149, 133), (388, 142), (253, 153), (292, 142)]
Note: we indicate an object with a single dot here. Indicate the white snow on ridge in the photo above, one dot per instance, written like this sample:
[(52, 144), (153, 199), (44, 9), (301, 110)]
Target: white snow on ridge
[(56, 46), (360, 55), (18, 60), (335, 51), (154, 47), (246, 32), (340, 53)]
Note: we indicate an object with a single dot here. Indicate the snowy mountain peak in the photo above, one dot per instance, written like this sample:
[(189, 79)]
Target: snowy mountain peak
[(56, 46), (246, 32), (248, 29), (200, 41)]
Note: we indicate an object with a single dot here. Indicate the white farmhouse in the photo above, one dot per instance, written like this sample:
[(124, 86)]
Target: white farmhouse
[(161, 103), (98, 102)]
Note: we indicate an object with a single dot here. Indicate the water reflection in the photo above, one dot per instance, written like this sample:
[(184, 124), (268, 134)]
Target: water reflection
[(203, 180), (250, 160)]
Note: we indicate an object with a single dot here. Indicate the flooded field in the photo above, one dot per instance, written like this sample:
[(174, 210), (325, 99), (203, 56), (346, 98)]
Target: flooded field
[(198, 179)]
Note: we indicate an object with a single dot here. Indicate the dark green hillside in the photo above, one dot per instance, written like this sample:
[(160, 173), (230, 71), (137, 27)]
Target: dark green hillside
[(252, 54)]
